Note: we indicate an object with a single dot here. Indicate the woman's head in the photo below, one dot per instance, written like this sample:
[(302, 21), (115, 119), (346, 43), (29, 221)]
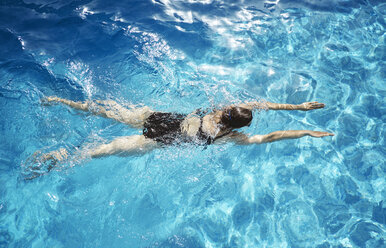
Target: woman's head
[(236, 117)]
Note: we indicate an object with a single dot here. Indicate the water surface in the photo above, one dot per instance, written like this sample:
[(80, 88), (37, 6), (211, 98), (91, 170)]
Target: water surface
[(180, 56)]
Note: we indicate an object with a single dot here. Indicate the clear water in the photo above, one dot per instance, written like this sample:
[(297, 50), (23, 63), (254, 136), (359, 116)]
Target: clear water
[(179, 56)]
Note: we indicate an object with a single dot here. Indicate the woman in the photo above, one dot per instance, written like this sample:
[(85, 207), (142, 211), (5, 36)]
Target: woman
[(161, 129)]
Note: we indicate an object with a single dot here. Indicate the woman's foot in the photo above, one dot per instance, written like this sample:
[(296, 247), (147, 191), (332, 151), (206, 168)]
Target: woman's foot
[(49, 100), (39, 164)]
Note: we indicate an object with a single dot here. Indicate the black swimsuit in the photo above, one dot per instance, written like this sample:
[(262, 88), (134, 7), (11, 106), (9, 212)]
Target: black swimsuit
[(166, 128)]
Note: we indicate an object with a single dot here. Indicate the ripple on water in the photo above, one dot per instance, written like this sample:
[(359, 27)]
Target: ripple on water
[(235, 241), (346, 190), (300, 224), (179, 240), (363, 164), (331, 214), (225, 190), (379, 213), (67, 233), (352, 124), (288, 196), (370, 106), (6, 237), (283, 175), (148, 213), (312, 185), (242, 214), (366, 234), (215, 226), (265, 203)]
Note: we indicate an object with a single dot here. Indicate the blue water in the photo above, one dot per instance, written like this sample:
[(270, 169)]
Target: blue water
[(180, 56)]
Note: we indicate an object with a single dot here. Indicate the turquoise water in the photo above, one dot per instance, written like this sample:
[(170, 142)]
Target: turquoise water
[(179, 56)]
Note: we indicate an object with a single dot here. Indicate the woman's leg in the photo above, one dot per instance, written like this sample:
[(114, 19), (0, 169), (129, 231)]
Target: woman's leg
[(41, 163), (135, 117), (123, 146)]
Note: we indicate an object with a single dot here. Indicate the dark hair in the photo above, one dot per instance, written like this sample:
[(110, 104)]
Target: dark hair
[(236, 117)]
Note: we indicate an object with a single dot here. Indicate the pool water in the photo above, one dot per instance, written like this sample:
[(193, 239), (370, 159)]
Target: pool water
[(178, 56)]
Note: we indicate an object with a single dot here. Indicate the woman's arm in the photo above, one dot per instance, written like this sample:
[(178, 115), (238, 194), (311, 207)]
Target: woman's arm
[(283, 106), (275, 136)]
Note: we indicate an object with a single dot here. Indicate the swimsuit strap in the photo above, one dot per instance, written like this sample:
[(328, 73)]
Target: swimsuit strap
[(203, 135), (209, 139)]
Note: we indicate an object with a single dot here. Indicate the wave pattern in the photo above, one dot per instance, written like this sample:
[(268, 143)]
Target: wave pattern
[(180, 56)]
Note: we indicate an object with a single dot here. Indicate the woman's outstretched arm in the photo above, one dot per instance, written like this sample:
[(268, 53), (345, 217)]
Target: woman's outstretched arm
[(275, 136), (283, 106)]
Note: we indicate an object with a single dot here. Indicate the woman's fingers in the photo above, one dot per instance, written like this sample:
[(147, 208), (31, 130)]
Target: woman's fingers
[(316, 105)]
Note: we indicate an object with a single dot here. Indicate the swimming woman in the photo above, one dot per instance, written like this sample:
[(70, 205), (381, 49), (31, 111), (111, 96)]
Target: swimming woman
[(160, 129)]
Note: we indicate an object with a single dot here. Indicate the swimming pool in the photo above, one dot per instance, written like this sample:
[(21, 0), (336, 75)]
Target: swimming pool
[(179, 56)]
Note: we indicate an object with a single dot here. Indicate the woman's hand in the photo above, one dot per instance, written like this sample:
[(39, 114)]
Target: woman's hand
[(310, 106), (318, 134)]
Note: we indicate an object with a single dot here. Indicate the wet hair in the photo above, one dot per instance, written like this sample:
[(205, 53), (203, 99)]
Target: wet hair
[(236, 117)]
